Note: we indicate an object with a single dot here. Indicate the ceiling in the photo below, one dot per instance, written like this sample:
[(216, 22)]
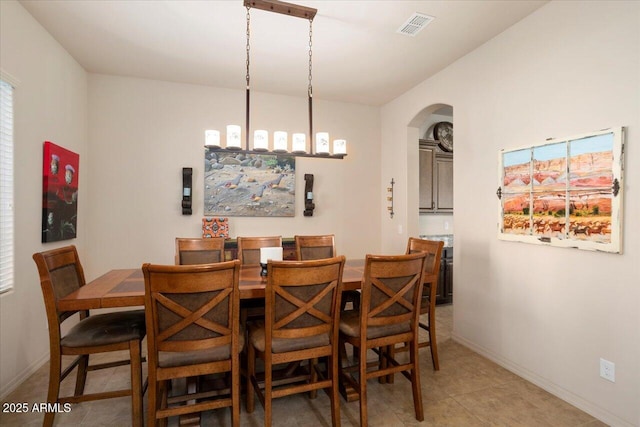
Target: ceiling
[(357, 54)]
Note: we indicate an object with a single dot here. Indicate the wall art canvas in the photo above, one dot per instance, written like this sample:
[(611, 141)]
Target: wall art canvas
[(564, 192), (60, 175), (238, 184)]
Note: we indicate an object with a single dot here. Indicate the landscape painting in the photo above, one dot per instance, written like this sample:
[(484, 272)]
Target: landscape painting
[(564, 192), (239, 184)]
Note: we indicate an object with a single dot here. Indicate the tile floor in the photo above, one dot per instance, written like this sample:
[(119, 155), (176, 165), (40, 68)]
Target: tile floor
[(469, 390)]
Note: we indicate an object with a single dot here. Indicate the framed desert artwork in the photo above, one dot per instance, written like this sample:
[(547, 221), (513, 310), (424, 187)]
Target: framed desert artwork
[(60, 173), (239, 184), (564, 192)]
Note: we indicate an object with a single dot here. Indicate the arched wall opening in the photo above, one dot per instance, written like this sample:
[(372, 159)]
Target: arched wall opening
[(421, 128)]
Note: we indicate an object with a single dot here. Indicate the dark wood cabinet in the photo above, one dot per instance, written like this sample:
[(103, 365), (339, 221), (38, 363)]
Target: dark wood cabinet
[(436, 178), (444, 293)]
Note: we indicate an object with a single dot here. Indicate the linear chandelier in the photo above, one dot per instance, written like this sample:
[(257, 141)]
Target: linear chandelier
[(318, 147)]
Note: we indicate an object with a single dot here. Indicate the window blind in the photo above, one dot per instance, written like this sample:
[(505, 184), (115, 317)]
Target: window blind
[(6, 187)]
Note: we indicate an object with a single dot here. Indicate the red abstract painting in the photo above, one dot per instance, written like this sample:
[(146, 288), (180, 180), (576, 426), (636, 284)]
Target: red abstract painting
[(60, 173)]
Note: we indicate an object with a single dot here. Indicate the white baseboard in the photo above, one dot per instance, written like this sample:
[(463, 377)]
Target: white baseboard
[(577, 401), (8, 388)]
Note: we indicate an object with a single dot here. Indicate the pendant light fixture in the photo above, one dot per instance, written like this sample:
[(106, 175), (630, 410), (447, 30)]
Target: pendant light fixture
[(318, 147)]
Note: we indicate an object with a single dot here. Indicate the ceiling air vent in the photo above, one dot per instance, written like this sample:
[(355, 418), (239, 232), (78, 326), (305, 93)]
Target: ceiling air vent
[(414, 24)]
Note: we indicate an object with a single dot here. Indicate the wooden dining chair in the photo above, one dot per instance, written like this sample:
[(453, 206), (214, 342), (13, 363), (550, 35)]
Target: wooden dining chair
[(389, 314), (433, 250), (320, 247), (315, 247), (300, 324), (61, 273), (249, 248), (192, 330), (249, 254), (197, 250)]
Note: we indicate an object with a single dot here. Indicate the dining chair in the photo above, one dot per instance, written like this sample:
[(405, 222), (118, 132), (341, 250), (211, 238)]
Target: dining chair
[(320, 247), (389, 314), (433, 250), (315, 247), (198, 250), (192, 330), (249, 254), (61, 274), (300, 324), (249, 248)]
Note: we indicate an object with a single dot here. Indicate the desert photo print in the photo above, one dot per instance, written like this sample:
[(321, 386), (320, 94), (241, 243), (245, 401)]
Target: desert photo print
[(239, 184), (561, 190)]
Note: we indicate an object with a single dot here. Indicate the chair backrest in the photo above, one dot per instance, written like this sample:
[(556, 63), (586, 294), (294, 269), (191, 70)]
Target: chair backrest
[(60, 274), (199, 251), (249, 248), (391, 291), (302, 300), (433, 249), (315, 247), (191, 308)]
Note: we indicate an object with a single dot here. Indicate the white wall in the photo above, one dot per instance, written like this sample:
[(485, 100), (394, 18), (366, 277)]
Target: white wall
[(143, 132), (546, 313), (50, 104)]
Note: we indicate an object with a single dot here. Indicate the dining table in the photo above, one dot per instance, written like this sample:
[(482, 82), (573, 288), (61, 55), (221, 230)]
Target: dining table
[(125, 287)]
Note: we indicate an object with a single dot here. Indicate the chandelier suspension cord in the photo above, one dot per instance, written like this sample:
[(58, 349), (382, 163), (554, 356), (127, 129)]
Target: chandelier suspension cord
[(248, 78), (310, 88)]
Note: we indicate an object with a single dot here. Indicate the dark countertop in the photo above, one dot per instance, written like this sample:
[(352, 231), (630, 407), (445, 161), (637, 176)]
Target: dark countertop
[(446, 238)]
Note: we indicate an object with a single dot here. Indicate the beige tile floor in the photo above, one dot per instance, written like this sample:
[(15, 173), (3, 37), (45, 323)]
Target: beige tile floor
[(468, 390)]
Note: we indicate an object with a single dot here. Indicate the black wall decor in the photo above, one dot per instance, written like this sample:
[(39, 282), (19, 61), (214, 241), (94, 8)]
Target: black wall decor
[(309, 206), (186, 190)]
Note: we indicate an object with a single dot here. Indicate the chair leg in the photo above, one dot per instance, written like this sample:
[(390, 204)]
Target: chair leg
[(313, 374), (251, 371), (432, 340), (81, 375), (152, 400), (235, 392), (165, 386), (136, 382), (268, 392), (415, 380), (55, 368), (391, 353), (362, 383), (332, 370), (382, 363)]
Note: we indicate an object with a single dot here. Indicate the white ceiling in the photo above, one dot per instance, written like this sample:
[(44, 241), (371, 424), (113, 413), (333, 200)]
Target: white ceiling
[(357, 54)]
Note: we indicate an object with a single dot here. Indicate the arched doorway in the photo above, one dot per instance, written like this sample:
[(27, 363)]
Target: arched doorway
[(431, 198)]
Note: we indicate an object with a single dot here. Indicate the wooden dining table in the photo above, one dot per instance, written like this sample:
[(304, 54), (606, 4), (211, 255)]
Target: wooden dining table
[(125, 287)]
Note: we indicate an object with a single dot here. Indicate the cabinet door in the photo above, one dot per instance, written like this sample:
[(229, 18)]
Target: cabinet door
[(444, 184), (427, 156)]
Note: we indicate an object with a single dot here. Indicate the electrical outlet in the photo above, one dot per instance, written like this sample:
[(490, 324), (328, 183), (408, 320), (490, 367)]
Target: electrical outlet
[(608, 370)]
